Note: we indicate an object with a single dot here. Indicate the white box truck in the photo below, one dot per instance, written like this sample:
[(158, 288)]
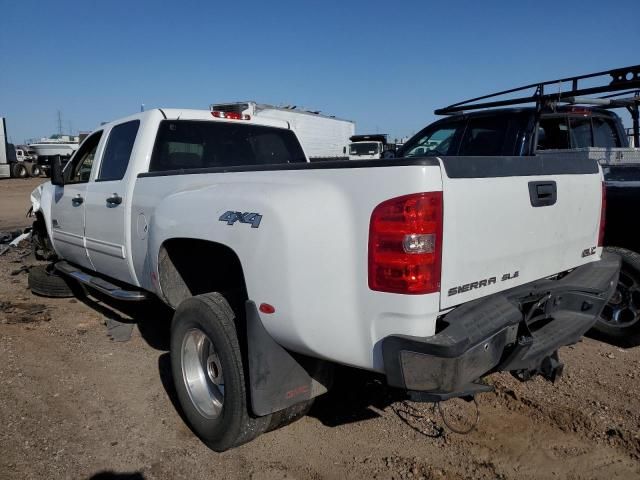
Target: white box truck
[(323, 137)]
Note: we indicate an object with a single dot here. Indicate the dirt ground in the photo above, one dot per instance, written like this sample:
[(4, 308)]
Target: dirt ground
[(75, 404), (14, 201)]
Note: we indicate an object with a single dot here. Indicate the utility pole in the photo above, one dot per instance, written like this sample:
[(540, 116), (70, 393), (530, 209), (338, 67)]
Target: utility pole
[(59, 123)]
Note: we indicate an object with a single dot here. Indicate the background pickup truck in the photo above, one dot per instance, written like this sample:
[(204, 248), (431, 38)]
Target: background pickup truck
[(431, 271), (527, 132)]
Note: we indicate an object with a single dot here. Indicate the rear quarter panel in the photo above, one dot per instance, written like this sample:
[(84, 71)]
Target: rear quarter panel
[(308, 258)]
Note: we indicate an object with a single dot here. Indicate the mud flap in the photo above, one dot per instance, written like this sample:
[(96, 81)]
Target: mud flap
[(278, 378)]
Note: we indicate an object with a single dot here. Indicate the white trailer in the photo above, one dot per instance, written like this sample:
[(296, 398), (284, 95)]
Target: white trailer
[(5, 166), (323, 137), (11, 164)]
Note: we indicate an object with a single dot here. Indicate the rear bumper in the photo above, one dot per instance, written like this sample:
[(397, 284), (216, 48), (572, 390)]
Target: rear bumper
[(516, 330)]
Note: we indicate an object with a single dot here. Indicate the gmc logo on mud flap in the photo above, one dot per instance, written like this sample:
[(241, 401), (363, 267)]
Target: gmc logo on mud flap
[(588, 252), (297, 391), (232, 217)]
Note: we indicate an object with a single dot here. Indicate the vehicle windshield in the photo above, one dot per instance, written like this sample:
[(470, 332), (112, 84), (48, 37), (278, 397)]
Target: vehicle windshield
[(364, 148), (433, 142)]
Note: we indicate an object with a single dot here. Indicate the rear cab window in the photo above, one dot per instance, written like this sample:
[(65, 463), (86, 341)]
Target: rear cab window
[(580, 132), (553, 133), (562, 131), (194, 144), (605, 133)]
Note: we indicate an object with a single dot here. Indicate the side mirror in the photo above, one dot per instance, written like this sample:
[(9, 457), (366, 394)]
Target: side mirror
[(57, 173)]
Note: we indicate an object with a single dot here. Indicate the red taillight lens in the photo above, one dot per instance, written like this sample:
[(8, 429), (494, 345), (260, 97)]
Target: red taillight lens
[(603, 211), (405, 244)]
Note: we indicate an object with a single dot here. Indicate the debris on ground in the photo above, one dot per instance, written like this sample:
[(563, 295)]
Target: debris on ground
[(13, 240), (11, 312), (119, 331)]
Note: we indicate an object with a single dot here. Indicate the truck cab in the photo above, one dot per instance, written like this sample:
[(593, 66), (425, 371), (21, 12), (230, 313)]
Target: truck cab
[(517, 131), (370, 147)]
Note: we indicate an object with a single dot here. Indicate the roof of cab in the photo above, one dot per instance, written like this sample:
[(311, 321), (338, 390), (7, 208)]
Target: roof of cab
[(563, 109), (194, 114)]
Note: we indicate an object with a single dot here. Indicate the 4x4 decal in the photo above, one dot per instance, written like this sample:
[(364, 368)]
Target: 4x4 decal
[(232, 217)]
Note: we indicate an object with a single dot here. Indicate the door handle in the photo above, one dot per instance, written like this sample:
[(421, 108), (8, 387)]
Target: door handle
[(543, 194), (77, 200), (114, 199)]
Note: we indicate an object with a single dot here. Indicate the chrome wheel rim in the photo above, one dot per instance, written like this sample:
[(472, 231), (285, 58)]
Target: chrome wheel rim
[(202, 373), (623, 309)]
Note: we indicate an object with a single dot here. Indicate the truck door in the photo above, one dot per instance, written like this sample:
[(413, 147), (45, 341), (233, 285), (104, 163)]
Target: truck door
[(108, 203), (68, 206)]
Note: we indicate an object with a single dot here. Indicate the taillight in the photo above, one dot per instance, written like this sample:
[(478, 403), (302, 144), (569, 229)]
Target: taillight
[(603, 212), (405, 244), (231, 115)]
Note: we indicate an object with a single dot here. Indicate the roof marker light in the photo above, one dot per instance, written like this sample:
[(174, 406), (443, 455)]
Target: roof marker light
[(230, 115)]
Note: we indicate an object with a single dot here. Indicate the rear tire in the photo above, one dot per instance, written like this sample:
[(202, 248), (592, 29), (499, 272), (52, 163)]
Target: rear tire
[(18, 170), (620, 319), (34, 170), (44, 281), (209, 374)]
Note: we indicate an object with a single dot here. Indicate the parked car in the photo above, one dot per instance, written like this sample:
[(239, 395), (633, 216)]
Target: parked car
[(432, 272)]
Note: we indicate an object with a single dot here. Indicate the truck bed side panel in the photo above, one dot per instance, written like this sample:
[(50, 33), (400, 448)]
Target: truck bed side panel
[(308, 258)]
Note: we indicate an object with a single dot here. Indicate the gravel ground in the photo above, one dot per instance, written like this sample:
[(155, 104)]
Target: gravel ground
[(75, 404)]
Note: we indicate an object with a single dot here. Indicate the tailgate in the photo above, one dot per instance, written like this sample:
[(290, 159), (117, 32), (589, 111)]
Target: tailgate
[(502, 226)]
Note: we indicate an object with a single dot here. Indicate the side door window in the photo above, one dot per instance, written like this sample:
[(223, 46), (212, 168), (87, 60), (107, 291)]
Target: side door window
[(485, 136), (118, 151), (78, 170)]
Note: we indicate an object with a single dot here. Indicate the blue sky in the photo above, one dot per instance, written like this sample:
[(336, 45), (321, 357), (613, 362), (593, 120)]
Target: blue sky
[(386, 65)]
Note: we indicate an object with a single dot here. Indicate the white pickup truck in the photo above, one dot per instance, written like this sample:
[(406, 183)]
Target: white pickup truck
[(431, 271)]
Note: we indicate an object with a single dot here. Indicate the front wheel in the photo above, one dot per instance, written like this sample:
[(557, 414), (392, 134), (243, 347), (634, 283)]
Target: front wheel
[(209, 375), (620, 318)]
